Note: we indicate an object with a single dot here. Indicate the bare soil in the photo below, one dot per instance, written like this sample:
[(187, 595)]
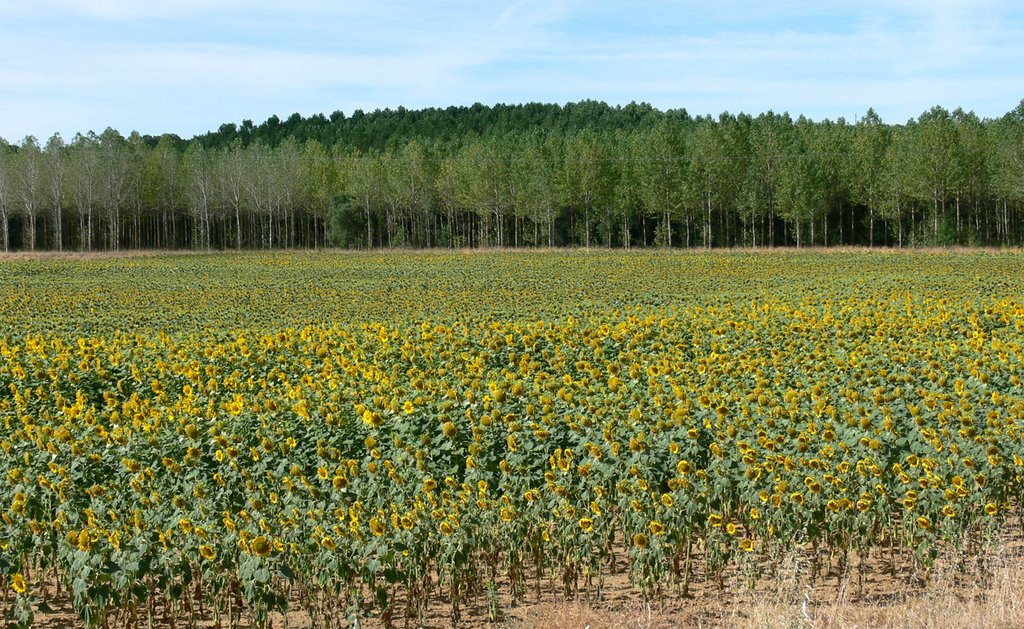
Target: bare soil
[(979, 591), (145, 253)]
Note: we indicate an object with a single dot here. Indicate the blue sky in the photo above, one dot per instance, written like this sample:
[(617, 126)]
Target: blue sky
[(187, 66)]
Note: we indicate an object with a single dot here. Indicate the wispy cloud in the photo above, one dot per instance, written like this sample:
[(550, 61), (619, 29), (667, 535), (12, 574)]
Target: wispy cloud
[(185, 66)]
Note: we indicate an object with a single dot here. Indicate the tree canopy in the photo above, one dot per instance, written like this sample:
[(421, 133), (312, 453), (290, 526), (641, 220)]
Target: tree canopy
[(579, 174)]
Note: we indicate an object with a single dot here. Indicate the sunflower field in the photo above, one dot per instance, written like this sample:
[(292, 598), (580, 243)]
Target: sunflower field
[(226, 436)]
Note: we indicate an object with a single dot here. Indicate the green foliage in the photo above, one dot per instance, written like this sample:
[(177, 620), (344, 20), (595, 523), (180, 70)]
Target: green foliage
[(347, 222), (228, 430), (526, 175)]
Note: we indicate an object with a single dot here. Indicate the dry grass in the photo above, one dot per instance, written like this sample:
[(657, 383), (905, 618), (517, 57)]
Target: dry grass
[(1000, 605), (146, 253), (953, 599), (92, 255)]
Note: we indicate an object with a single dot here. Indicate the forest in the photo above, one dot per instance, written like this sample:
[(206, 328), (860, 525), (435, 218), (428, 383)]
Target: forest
[(584, 174)]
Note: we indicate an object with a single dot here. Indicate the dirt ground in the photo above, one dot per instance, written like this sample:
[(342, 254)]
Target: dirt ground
[(984, 591), (145, 253)]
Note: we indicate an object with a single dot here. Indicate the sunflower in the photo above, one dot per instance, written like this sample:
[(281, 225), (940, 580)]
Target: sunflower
[(372, 419), (206, 552), (18, 583), (657, 528), (587, 524), (260, 546)]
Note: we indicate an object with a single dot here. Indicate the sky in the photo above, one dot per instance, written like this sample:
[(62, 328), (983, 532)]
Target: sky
[(187, 66)]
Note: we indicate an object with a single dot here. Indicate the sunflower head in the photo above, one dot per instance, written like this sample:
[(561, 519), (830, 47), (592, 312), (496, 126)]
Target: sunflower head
[(18, 583), (260, 546)]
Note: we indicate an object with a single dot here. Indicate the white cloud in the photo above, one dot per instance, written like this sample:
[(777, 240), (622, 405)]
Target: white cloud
[(186, 66)]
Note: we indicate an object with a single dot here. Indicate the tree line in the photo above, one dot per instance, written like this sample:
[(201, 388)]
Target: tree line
[(583, 174)]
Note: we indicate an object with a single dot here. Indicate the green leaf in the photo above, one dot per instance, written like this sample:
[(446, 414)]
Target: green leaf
[(286, 571)]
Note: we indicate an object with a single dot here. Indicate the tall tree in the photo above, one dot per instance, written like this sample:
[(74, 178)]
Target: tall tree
[(627, 200), (232, 170), (896, 202), (284, 176), (973, 180), (365, 180), (829, 147), (7, 189), (446, 186), (770, 139), (1008, 170), (710, 172), (164, 184), (200, 193), (31, 187), (318, 185), (534, 193), (481, 175), (800, 189), (587, 177), (84, 184), (935, 163), (115, 174), (55, 175), (262, 192), (663, 182), (870, 143), (414, 178)]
